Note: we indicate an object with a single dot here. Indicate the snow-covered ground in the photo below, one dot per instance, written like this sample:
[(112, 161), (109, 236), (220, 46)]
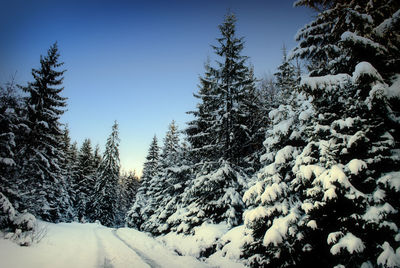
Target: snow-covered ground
[(92, 245)]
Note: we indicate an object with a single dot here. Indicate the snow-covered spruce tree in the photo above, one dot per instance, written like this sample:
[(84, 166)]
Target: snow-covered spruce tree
[(151, 166), (234, 89), (224, 120), (106, 190), (69, 167), (199, 131), (97, 157), (213, 196), (138, 213), (286, 78), (342, 182), (179, 176), (20, 227), (171, 146), (344, 32), (255, 120), (272, 202), (84, 180), (9, 126), (346, 173), (156, 192), (72, 157), (370, 53), (169, 184), (268, 91), (40, 156), (129, 185)]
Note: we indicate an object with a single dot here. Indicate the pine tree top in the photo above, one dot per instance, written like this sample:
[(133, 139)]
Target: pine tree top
[(47, 75), (111, 162), (45, 99)]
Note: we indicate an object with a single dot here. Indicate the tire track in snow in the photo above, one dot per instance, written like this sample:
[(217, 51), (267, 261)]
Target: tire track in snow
[(140, 253), (101, 253)]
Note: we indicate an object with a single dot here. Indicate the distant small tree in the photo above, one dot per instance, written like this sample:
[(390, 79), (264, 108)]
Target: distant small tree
[(167, 184), (137, 214), (287, 79), (131, 185), (105, 197), (128, 186), (69, 167), (85, 179), (97, 156), (269, 92)]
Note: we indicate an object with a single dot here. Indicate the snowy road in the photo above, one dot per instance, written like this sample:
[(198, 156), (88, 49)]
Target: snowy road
[(92, 245)]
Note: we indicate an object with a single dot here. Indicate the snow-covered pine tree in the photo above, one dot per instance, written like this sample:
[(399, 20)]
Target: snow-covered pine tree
[(199, 130), (10, 119), (138, 213), (227, 118), (340, 172), (223, 126), (341, 184), (157, 183), (97, 156), (234, 89), (179, 177), (272, 197), (69, 168), (286, 77), (97, 159), (269, 93), (213, 196), (85, 180), (40, 175), (169, 184), (105, 196), (255, 120), (151, 166), (130, 184), (72, 157), (170, 148), (367, 153), (344, 32)]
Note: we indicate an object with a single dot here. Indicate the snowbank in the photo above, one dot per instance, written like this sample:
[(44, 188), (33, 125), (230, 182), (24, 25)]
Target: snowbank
[(92, 245)]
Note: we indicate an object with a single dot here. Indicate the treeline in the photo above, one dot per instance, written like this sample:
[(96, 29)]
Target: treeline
[(307, 166), (41, 171)]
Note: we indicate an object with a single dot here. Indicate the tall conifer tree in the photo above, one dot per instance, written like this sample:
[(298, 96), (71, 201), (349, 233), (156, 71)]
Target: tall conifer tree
[(224, 120), (41, 154), (105, 197), (224, 136)]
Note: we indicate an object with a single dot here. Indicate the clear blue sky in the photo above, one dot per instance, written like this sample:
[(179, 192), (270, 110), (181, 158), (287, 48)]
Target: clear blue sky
[(136, 62)]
